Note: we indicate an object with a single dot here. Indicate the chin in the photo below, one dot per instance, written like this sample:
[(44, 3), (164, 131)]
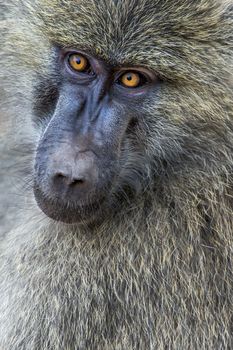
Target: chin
[(70, 213)]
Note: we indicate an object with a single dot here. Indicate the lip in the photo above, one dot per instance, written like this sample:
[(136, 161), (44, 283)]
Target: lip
[(64, 212)]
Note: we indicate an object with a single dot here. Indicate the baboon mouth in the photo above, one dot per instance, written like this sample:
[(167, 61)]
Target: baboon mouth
[(67, 212)]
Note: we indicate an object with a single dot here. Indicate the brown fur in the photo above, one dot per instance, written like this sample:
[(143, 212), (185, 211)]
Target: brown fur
[(158, 275)]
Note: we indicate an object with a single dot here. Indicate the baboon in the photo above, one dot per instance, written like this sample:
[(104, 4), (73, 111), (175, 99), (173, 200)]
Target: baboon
[(116, 169)]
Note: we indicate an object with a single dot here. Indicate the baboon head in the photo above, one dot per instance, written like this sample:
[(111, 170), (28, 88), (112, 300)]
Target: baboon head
[(125, 94)]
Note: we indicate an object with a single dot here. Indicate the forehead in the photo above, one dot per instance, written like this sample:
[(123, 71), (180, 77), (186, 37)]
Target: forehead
[(130, 31), (121, 30)]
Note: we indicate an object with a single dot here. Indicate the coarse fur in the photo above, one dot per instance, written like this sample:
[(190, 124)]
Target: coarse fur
[(158, 273)]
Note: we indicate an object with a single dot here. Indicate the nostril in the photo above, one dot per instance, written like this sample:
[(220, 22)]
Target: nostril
[(61, 180), (68, 180), (77, 182), (60, 176)]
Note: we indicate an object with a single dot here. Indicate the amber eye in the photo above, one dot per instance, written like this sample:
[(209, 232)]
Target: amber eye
[(130, 79), (78, 63)]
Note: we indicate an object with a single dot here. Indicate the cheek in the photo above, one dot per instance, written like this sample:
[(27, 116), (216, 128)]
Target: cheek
[(156, 133), (46, 94)]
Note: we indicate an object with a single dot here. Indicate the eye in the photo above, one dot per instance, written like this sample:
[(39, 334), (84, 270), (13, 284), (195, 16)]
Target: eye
[(132, 79), (79, 63)]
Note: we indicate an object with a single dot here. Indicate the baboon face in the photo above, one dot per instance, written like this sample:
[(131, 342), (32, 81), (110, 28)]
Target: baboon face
[(91, 136), (121, 99)]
